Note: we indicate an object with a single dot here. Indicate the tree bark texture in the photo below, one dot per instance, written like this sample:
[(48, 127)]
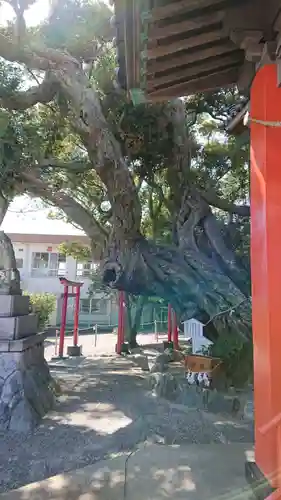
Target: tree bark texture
[(133, 319), (200, 276), (201, 281)]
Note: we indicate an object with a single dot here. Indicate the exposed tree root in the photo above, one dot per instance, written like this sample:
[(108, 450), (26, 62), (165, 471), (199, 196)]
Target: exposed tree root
[(206, 284)]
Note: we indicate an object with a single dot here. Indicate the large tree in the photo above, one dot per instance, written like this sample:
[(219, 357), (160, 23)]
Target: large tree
[(111, 145)]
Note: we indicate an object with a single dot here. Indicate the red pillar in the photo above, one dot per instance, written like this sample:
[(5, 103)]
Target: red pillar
[(169, 323), (175, 331), (266, 265), (76, 316), (63, 320)]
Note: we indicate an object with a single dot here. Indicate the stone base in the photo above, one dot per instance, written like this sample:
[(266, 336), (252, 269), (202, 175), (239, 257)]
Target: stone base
[(74, 350), (14, 305), (257, 481), (168, 345), (164, 385), (232, 402), (18, 327), (26, 386), (140, 360)]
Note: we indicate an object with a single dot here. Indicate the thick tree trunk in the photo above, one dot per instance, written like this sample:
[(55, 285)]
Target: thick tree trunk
[(133, 316), (196, 287), (200, 277)]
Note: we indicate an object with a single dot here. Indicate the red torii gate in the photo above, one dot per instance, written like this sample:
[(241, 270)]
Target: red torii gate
[(74, 350), (173, 332)]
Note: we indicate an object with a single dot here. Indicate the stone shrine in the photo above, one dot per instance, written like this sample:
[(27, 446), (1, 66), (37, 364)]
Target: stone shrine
[(26, 386)]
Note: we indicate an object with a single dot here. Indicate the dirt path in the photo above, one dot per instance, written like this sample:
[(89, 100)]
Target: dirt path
[(105, 408)]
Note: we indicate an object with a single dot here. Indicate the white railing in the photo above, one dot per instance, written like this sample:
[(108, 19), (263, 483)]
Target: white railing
[(46, 273)]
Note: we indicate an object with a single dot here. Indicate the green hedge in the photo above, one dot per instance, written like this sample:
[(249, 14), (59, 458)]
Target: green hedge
[(42, 304)]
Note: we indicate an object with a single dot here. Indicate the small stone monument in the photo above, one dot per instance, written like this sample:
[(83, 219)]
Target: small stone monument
[(25, 383)]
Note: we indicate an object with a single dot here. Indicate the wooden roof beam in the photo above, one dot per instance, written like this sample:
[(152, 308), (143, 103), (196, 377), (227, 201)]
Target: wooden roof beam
[(185, 44), (194, 70), (250, 41), (188, 58), (214, 81), (183, 6), (159, 32), (246, 16), (246, 76)]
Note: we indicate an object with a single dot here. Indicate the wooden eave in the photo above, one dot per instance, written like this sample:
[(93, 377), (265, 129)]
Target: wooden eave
[(171, 48)]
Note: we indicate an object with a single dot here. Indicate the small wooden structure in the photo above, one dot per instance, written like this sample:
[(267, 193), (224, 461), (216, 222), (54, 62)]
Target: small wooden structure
[(173, 48)]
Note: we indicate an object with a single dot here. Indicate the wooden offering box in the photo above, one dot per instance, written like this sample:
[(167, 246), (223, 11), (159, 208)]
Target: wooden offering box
[(204, 364)]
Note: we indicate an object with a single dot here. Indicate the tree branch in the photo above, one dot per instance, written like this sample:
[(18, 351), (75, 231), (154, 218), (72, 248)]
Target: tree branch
[(4, 204), (213, 199), (42, 93), (72, 166), (80, 216), (34, 57), (151, 182), (20, 25), (238, 275), (194, 210), (103, 149)]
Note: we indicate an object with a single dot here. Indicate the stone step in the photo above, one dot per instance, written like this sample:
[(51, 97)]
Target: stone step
[(14, 305), (18, 327)]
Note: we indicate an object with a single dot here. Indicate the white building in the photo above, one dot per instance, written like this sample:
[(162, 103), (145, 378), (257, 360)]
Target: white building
[(36, 239), (40, 265)]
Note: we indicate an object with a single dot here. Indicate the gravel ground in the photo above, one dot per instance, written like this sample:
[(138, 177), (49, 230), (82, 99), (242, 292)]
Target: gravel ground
[(104, 408)]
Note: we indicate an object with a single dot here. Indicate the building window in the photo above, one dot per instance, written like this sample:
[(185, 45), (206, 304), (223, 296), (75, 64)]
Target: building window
[(19, 263), (92, 306), (99, 306), (85, 269), (85, 306), (48, 264)]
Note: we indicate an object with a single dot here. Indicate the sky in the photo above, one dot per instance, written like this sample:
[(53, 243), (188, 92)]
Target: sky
[(33, 16), (26, 216)]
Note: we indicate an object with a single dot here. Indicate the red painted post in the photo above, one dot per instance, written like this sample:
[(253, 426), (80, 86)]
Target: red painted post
[(265, 266), (175, 331), (76, 316), (169, 323), (123, 318), (63, 320)]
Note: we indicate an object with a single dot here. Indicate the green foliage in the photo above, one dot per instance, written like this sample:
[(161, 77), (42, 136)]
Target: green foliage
[(77, 25), (145, 133), (237, 358), (42, 304), (76, 250)]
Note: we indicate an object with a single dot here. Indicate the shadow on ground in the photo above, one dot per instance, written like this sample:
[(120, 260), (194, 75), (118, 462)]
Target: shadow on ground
[(104, 409), (192, 472)]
